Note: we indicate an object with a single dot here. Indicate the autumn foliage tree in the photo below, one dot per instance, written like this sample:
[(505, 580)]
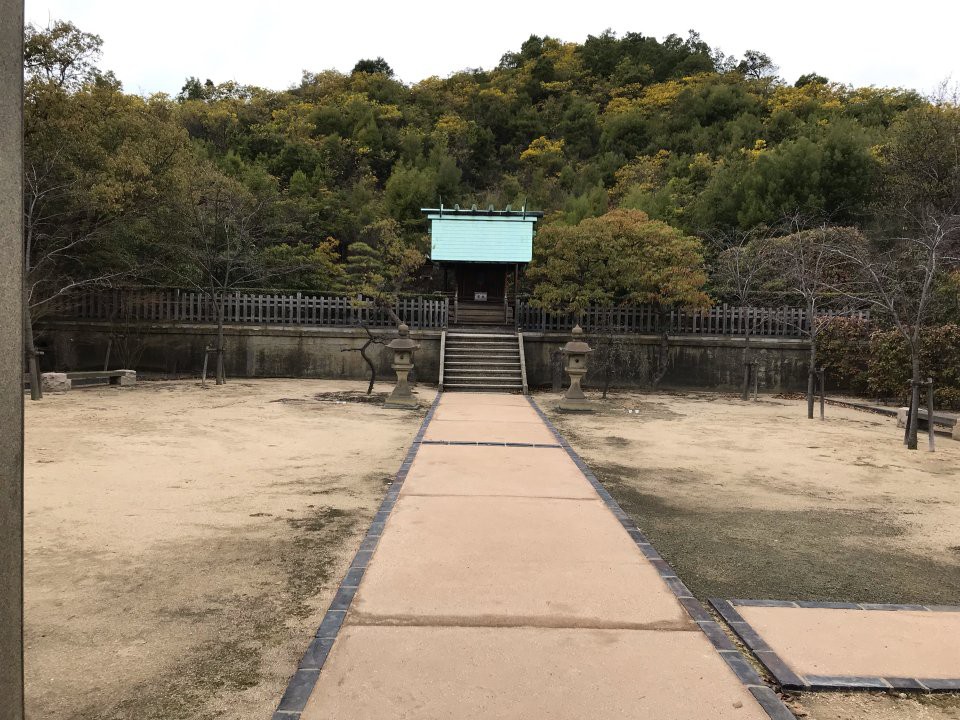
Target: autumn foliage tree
[(622, 257)]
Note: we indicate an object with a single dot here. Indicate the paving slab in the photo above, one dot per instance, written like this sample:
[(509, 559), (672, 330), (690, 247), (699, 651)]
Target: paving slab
[(476, 399), (512, 561), (432, 673), (489, 412), (487, 428), (865, 643), (503, 471), (497, 584)]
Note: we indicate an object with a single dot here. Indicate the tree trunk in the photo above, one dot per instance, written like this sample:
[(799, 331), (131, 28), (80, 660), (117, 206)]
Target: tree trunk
[(914, 402), (373, 368), (663, 352), (36, 391), (663, 356), (221, 377), (811, 382), (745, 394)]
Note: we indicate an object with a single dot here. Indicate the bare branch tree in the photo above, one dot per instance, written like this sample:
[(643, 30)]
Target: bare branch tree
[(808, 267), (741, 269), (898, 280)]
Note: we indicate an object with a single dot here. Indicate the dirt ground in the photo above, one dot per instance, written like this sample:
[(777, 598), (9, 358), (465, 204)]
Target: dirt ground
[(182, 543), (752, 500)]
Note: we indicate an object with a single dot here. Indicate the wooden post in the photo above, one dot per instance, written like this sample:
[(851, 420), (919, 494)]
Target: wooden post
[(11, 360), (930, 431), (206, 356), (106, 359), (823, 391), (906, 431)]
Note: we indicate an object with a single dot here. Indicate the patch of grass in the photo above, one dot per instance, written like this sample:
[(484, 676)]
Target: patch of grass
[(243, 623), (222, 666), (784, 554), (352, 396), (313, 551)]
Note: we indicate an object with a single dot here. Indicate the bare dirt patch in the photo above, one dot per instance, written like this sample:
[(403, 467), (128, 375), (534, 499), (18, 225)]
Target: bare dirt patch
[(182, 543), (751, 499)]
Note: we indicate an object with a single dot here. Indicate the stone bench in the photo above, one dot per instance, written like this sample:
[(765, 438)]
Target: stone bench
[(946, 421), (61, 382)]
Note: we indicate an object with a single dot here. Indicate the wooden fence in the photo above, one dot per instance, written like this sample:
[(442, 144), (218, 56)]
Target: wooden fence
[(786, 322), (181, 306), (249, 308)]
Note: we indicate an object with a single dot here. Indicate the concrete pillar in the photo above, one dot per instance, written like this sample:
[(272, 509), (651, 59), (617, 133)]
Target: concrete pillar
[(11, 360)]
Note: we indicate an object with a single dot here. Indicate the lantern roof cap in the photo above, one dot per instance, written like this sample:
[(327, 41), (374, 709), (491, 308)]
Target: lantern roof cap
[(577, 344), (403, 341)]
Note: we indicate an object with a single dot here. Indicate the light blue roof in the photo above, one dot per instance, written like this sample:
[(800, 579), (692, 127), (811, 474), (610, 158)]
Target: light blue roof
[(482, 238)]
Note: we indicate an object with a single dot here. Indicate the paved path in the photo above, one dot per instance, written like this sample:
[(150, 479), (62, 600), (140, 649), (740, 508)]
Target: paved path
[(503, 586)]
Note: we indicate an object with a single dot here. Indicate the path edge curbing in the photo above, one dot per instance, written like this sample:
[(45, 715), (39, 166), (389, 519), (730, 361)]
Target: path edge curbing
[(301, 685), (790, 680), (767, 698)]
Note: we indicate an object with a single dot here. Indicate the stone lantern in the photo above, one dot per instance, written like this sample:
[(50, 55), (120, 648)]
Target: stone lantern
[(576, 352), (403, 348)]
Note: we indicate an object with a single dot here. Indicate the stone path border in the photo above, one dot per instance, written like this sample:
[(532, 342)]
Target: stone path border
[(304, 679), (790, 680), (768, 699), (487, 443)]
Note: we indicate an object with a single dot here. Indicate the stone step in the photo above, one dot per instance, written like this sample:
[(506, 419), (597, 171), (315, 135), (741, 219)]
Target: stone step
[(480, 363), (479, 357), (481, 343), (482, 352), (457, 335), (473, 386), (481, 379), (451, 372), (506, 342)]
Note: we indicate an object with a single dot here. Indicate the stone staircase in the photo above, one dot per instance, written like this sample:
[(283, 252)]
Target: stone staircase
[(483, 361)]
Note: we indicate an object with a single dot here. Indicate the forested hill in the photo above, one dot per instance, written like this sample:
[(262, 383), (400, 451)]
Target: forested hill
[(667, 127), (672, 127)]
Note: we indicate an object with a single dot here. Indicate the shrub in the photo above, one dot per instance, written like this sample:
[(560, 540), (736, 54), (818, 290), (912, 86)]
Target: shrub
[(878, 363), (843, 348)]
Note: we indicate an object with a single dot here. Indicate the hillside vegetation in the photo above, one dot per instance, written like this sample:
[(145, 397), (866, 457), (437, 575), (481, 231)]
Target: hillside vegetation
[(703, 142)]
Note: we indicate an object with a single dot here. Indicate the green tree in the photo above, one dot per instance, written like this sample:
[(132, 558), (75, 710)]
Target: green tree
[(378, 66), (380, 265), (97, 166), (619, 258)]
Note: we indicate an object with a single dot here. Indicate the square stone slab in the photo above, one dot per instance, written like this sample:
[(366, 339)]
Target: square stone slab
[(507, 561), (464, 673), (865, 643), (505, 471), (489, 428), (486, 413), (468, 399)]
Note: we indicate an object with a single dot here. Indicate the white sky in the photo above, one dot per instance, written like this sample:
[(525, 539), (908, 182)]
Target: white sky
[(154, 46)]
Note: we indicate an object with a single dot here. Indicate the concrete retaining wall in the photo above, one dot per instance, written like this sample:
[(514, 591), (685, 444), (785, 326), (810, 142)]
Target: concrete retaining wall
[(258, 351)]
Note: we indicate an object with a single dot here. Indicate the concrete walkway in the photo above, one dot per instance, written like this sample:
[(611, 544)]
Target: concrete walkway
[(503, 586)]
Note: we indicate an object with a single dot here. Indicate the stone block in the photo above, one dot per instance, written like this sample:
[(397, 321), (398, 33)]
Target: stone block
[(55, 382), (902, 417), (128, 378)]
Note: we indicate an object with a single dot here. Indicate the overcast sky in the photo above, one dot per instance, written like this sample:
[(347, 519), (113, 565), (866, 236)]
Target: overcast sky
[(154, 46)]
